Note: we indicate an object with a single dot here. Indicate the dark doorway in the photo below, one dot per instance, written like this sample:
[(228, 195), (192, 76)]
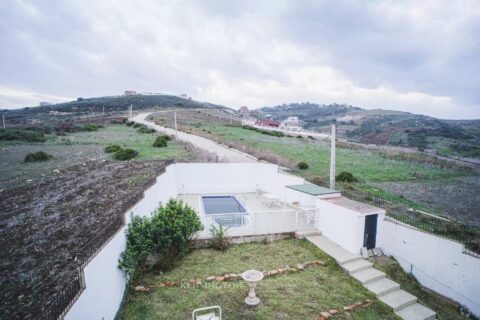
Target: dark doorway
[(370, 233)]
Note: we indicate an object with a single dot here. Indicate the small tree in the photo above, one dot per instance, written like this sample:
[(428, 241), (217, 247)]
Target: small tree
[(165, 234)]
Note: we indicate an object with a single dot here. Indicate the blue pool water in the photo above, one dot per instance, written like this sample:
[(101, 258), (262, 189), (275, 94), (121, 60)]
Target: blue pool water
[(221, 204), (225, 210)]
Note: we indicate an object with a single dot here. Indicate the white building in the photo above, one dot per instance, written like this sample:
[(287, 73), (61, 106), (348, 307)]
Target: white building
[(291, 124)]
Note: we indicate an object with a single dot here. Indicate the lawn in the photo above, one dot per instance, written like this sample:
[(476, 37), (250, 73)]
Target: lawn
[(300, 295), (76, 148)]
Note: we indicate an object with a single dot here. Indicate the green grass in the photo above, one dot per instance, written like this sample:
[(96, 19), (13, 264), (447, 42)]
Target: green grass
[(301, 295), (365, 165), (76, 148), (444, 308), (126, 137)]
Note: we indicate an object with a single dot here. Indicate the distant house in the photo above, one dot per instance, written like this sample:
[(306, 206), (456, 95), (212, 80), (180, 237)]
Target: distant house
[(291, 124), (244, 109), (130, 92), (268, 123)]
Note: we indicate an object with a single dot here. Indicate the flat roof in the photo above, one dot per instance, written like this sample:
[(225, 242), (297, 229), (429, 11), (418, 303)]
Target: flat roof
[(360, 207), (312, 189)]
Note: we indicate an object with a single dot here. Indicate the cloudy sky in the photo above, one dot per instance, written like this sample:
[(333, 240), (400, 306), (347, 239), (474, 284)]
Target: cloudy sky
[(417, 56)]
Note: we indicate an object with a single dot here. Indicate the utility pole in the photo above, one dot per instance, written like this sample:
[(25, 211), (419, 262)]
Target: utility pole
[(175, 117), (103, 111), (332, 157), (3, 118), (130, 111)]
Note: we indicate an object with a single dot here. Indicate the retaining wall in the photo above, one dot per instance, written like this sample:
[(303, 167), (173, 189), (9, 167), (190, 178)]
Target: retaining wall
[(438, 264)]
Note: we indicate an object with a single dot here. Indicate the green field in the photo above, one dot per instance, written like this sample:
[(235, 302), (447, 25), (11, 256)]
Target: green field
[(365, 165), (299, 295), (76, 148)]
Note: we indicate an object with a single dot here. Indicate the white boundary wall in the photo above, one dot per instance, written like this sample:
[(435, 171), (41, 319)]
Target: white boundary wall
[(105, 283), (437, 263)]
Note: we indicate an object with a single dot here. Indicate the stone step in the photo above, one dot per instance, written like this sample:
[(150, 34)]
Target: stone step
[(368, 276), (357, 265), (382, 286), (416, 312), (332, 249), (307, 233), (398, 299)]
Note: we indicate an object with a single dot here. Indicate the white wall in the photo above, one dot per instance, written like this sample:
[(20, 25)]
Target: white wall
[(343, 226), (437, 263), (105, 283)]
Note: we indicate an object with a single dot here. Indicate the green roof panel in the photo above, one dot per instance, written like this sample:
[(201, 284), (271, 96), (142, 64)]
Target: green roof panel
[(312, 189)]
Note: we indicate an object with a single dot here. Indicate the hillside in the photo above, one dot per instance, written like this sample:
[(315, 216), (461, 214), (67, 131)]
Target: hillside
[(385, 127), (91, 106)]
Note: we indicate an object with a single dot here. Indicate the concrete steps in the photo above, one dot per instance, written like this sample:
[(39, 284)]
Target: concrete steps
[(308, 233), (368, 276), (403, 303), (398, 299), (356, 265), (382, 286), (416, 312)]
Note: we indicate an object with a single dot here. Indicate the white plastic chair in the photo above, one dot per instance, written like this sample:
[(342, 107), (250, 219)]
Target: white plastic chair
[(207, 316)]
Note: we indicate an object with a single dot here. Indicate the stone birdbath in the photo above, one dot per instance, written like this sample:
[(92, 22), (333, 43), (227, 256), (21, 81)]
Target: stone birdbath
[(252, 277)]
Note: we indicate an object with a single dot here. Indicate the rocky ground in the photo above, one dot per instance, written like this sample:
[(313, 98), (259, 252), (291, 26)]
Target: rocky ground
[(46, 227)]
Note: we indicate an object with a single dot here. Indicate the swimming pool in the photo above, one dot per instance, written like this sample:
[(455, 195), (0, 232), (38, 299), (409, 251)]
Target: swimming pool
[(224, 210)]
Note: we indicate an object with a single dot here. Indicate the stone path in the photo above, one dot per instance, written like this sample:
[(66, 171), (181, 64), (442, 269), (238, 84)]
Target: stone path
[(403, 303), (224, 153)]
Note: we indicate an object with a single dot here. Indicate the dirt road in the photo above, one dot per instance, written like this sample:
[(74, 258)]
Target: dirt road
[(224, 153)]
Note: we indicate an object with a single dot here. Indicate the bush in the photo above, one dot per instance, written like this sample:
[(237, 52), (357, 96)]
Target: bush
[(20, 134), (219, 238), (137, 125), (166, 137), (160, 142), (130, 123), (300, 137), (37, 156), (317, 180), (345, 176), (145, 129), (165, 235), (112, 148), (125, 154), (303, 165)]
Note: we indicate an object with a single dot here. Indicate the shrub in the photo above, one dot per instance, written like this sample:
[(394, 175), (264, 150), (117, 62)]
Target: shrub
[(160, 142), (219, 239), (345, 176), (303, 165), (165, 136), (112, 148), (145, 129), (300, 136), (317, 180), (165, 235), (37, 156), (137, 125), (130, 123), (20, 134), (125, 154)]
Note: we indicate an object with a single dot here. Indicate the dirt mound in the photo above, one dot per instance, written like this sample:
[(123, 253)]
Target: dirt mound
[(45, 229)]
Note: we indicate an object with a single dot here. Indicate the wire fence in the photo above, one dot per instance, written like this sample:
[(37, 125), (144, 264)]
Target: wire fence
[(468, 235)]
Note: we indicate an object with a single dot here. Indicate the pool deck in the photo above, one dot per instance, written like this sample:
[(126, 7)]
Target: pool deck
[(262, 219)]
